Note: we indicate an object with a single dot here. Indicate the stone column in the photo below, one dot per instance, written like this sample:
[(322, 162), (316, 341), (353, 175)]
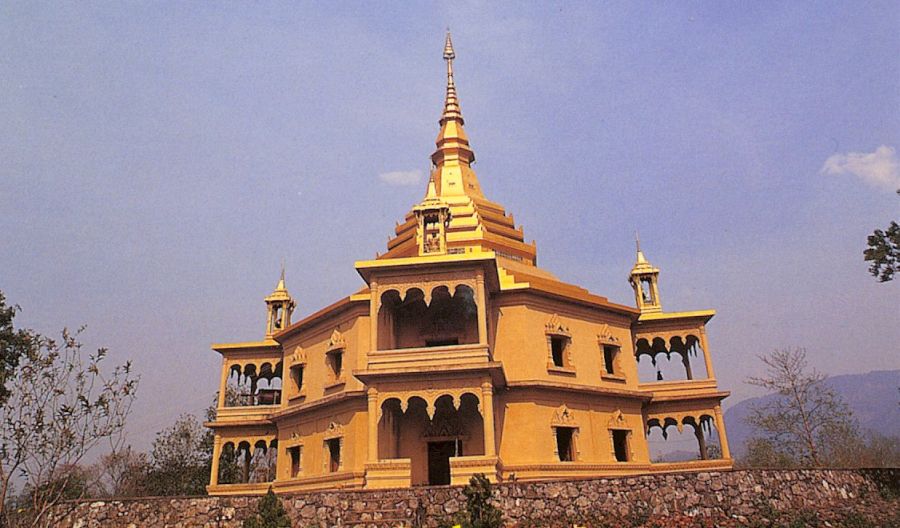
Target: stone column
[(703, 344), (487, 400), (480, 295), (373, 424), (217, 453), (723, 438)]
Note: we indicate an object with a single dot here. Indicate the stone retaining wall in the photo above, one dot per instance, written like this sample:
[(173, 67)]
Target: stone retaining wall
[(738, 495)]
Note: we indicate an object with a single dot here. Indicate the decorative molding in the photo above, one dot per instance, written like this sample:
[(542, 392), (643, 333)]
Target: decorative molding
[(617, 420), (334, 430), (563, 417), (299, 356), (336, 342), (605, 337), (555, 327)]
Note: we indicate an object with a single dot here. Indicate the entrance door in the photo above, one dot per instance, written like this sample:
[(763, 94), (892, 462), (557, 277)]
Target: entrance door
[(439, 454)]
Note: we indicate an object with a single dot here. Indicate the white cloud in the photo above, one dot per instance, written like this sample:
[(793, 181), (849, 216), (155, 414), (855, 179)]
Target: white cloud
[(412, 177), (879, 169)]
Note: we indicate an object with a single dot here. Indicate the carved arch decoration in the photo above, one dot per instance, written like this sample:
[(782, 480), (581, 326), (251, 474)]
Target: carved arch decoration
[(269, 442), (667, 343), (426, 288), (430, 397), (256, 368), (704, 420)]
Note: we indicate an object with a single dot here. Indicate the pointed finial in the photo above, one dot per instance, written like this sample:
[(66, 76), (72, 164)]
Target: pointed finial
[(281, 279), (432, 189), (640, 254), (449, 54), (451, 103)]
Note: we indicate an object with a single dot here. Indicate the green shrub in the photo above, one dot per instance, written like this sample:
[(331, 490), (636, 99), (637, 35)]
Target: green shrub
[(270, 514)]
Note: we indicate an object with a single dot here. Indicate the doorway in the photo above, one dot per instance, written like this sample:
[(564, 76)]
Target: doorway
[(439, 454)]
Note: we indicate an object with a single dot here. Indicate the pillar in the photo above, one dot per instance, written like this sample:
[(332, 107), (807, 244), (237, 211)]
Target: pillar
[(245, 474), (480, 296), (216, 454), (223, 383), (703, 344), (701, 440), (723, 438), (487, 400), (373, 316), (686, 359), (373, 424)]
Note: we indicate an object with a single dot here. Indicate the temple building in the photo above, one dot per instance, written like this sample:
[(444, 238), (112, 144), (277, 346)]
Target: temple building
[(459, 355)]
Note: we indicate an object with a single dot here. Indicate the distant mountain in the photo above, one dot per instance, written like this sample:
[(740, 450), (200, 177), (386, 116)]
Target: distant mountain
[(873, 397)]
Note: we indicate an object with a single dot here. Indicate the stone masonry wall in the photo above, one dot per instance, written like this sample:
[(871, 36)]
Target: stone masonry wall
[(738, 495)]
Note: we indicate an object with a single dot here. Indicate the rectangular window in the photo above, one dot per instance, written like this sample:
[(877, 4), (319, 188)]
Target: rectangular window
[(295, 453), (620, 444), (336, 362), (565, 443), (610, 352), (334, 454), (297, 376), (558, 350)]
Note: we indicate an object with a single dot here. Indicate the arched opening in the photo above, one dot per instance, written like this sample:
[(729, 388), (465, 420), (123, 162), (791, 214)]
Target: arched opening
[(248, 463), (443, 320), (229, 469), (678, 360), (251, 386), (697, 440), (455, 428)]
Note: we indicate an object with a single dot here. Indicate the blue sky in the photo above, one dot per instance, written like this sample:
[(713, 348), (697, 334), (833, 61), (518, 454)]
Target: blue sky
[(160, 159)]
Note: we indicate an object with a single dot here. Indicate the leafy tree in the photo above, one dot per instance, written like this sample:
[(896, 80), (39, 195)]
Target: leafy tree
[(270, 514), (884, 252), (180, 459), (119, 473), (60, 406), (803, 424), (13, 345)]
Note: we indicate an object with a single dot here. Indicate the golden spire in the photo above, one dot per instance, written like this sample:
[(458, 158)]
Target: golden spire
[(453, 158), (451, 102)]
